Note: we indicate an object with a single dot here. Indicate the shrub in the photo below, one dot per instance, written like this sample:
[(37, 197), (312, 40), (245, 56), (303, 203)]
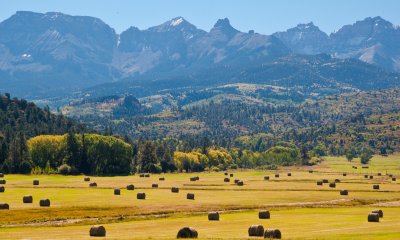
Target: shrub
[(64, 169)]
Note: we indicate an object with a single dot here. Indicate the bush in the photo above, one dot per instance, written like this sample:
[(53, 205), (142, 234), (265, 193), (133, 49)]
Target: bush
[(64, 169), (25, 167)]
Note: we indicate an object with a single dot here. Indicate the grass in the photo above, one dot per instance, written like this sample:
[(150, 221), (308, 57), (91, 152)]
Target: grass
[(299, 208)]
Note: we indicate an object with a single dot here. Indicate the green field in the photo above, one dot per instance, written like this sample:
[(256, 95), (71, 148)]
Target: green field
[(299, 208)]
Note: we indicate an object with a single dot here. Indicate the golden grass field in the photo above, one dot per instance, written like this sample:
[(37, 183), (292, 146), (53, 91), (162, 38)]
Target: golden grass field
[(299, 208)]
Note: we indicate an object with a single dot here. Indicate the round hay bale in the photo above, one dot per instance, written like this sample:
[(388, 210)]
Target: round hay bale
[(227, 179), (141, 196), (371, 177), (344, 192), (226, 174), (277, 175), (2, 181), (390, 175), (97, 231), (146, 175), (240, 183), (161, 179), (273, 234), (373, 217), (36, 182), (375, 187), (4, 206), (393, 179), (86, 179), (2, 188), (1, 175), (193, 179), (93, 184), (365, 176), (266, 177), (365, 167), (187, 232), (379, 174), (213, 216), (154, 185), (190, 196), (264, 214), (319, 183), (141, 175), (355, 167), (175, 189), (231, 175), (44, 202), (344, 174), (332, 185), (197, 178), (130, 187), (236, 181), (27, 199), (310, 171), (256, 231), (325, 180), (117, 191), (379, 212), (289, 174), (337, 180)]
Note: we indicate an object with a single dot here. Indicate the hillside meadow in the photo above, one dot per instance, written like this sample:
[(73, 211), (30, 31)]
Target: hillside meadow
[(298, 207)]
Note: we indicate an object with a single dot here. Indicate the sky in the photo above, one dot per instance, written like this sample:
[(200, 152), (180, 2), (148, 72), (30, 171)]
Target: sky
[(263, 16)]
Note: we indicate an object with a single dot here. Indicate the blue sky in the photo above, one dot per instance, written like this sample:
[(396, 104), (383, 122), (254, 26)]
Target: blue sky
[(263, 16)]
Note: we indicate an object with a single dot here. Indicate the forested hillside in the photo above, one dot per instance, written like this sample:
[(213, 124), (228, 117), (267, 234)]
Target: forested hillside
[(20, 120)]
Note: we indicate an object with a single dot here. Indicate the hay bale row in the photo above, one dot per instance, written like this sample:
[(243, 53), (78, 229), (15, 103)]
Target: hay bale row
[(273, 234), (27, 199), (4, 206), (130, 187), (117, 191), (256, 231), (44, 202), (97, 231), (187, 232), (264, 214), (141, 196), (175, 189), (213, 216), (190, 196)]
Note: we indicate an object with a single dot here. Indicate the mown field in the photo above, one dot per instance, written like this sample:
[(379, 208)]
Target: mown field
[(299, 208)]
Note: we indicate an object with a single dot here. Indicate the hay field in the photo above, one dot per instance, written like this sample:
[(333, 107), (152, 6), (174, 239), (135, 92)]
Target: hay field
[(299, 208)]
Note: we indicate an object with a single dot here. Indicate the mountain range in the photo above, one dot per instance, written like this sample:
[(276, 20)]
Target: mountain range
[(54, 54)]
